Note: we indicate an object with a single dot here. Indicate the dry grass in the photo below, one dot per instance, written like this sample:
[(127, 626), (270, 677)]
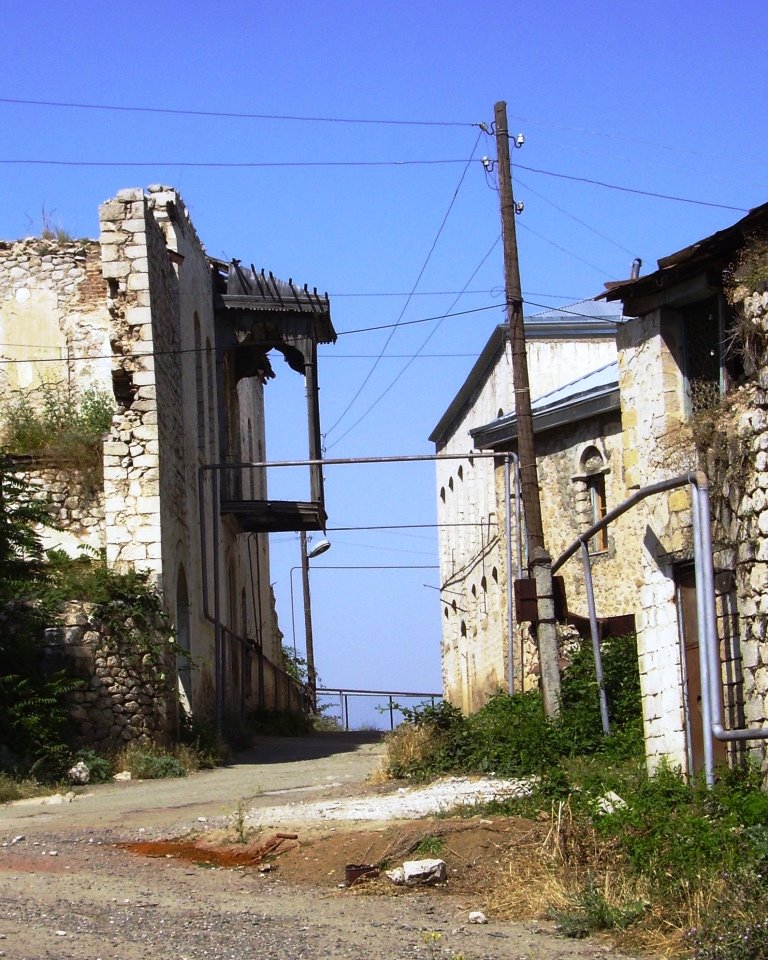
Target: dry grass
[(406, 745)]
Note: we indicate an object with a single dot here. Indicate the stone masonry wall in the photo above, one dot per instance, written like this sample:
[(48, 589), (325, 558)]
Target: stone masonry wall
[(125, 695), (740, 503), (652, 412), (52, 308)]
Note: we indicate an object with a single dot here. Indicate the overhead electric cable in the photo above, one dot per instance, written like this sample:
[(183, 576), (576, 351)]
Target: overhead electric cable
[(410, 361), (226, 164), (269, 164), (233, 115), (413, 289), (562, 249), (525, 186), (646, 143), (642, 193)]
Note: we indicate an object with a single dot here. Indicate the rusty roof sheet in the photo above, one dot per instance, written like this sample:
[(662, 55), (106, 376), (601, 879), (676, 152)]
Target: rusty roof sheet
[(716, 249)]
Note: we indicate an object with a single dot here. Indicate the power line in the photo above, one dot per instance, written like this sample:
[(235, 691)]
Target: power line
[(233, 115), (83, 358), (642, 193), (646, 143), (269, 164), (237, 165), (572, 217), (410, 361), (415, 285), (562, 249)]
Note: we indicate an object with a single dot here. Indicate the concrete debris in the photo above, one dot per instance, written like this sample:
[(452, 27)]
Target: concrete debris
[(415, 872), (407, 803), (123, 775), (79, 774)]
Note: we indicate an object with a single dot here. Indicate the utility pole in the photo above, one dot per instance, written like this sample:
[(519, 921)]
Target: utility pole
[(310, 646), (539, 559)]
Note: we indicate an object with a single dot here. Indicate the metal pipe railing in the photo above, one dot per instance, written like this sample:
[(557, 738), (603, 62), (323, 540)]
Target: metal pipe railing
[(711, 671)]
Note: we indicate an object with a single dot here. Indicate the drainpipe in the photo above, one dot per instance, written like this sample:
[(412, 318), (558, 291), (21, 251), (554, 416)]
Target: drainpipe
[(509, 459), (705, 612), (595, 632)]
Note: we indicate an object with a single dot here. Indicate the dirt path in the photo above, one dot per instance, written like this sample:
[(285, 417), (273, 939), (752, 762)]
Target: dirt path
[(67, 892)]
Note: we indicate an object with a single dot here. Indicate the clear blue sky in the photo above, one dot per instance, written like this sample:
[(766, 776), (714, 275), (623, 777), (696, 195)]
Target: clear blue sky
[(667, 98)]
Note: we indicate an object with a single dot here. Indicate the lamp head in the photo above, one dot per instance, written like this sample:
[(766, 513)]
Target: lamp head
[(320, 547)]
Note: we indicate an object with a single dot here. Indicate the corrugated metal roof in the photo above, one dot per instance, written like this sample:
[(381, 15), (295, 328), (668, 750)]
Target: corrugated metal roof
[(596, 392), (712, 251), (584, 319)]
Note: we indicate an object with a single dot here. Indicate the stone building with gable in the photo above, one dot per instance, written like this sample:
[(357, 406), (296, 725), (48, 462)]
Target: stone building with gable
[(693, 374), (479, 541), (180, 342), (687, 391)]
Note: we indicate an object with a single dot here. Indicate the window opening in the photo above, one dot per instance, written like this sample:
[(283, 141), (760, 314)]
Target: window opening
[(597, 510)]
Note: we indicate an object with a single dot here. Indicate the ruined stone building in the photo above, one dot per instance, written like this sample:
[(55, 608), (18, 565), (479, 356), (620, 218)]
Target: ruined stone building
[(686, 389), (693, 370), (478, 629), (179, 342)]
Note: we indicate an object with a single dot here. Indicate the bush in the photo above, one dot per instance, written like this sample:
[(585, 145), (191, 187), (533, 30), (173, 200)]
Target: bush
[(54, 421), (510, 736), (150, 762)]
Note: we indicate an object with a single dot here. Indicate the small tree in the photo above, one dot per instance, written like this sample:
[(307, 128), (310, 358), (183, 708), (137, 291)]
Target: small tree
[(33, 714)]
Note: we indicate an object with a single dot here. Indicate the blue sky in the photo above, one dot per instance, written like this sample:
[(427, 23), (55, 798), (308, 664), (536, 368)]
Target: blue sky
[(660, 97)]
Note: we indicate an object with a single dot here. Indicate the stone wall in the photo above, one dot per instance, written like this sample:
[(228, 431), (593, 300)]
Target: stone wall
[(473, 564), (75, 503), (126, 695), (738, 466), (652, 411), (53, 317)]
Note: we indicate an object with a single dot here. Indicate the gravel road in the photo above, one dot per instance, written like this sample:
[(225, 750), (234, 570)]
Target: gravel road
[(67, 892)]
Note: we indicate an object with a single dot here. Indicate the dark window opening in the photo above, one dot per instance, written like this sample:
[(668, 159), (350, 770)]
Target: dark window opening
[(597, 510), (712, 356), (123, 388)]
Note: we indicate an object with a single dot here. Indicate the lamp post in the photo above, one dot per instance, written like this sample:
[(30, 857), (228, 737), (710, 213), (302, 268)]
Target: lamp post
[(306, 556)]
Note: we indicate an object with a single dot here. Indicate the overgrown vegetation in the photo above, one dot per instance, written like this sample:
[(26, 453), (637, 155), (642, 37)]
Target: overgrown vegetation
[(659, 862), (511, 736), (56, 422), (34, 721), (36, 731)]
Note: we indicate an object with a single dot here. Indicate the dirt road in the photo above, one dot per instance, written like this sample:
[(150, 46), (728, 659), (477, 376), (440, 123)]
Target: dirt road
[(66, 890)]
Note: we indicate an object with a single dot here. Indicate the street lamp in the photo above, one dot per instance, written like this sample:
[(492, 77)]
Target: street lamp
[(306, 556)]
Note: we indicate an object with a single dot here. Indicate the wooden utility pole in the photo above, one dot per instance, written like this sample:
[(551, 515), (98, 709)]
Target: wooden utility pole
[(539, 559)]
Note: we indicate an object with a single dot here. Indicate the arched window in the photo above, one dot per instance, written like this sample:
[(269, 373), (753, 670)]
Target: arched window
[(593, 471)]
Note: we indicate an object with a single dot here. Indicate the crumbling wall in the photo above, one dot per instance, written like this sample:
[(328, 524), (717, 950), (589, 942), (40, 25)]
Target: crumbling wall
[(125, 695)]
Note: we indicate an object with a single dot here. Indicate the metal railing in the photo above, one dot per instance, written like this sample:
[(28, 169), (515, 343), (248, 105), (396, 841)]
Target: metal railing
[(389, 701)]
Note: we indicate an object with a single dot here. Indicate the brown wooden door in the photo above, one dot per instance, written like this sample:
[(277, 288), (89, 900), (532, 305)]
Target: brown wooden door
[(686, 599)]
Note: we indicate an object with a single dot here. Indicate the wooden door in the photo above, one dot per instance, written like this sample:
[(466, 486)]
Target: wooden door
[(688, 616)]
